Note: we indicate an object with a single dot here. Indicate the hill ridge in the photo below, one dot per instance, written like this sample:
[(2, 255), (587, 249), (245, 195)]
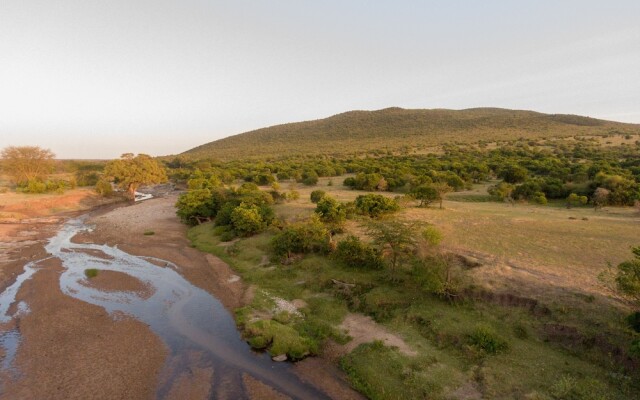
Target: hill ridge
[(395, 128)]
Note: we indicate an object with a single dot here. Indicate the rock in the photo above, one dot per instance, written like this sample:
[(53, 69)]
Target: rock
[(280, 358)]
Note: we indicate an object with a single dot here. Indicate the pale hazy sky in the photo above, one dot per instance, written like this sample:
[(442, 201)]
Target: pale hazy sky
[(94, 79)]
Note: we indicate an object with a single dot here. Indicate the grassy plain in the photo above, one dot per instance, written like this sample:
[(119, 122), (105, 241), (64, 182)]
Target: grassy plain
[(547, 330)]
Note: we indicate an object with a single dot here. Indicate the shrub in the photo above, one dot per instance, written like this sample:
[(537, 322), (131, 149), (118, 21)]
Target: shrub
[(316, 195), (329, 210), (633, 320), (485, 339), (375, 205), (223, 216), (301, 237), (91, 272), (352, 252), (104, 188), (280, 338), (246, 219), (227, 236), (309, 178), (432, 235)]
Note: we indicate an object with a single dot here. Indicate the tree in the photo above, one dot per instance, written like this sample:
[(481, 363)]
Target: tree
[(374, 205), (442, 189), (247, 220), (199, 205), (514, 174), (502, 190), (354, 253), (27, 163), (395, 239), (600, 198), (302, 237), (628, 277), (130, 172), (426, 193), (330, 210)]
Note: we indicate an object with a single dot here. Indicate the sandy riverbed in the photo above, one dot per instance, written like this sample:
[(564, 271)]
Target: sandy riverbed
[(71, 349)]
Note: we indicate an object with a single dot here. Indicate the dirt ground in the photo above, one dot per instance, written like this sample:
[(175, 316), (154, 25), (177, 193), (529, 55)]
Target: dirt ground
[(73, 350)]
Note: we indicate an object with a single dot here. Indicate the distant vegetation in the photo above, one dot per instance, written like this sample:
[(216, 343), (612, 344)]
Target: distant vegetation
[(400, 131), (352, 243)]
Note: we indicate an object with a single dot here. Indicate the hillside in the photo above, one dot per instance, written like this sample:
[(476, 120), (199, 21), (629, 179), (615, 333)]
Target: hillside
[(397, 128)]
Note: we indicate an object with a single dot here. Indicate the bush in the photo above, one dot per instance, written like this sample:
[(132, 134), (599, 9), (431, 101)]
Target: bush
[(633, 320), (330, 210), (91, 272), (375, 205), (247, 220), (317, 195), (301, 237), (227, 236), (485, 339), (223, 216), (196, 205), (352, 252), (104, 188), (280, 338), (309, 178)]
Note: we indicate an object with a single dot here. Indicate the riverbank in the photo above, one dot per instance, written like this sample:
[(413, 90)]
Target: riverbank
[(72, 349)]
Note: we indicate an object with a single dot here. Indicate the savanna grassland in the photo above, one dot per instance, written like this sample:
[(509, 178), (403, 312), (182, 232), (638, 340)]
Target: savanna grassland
[(433, 254), (493, 264)]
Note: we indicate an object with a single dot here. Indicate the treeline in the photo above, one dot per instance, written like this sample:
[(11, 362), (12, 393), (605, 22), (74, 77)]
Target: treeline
[(526, 172)]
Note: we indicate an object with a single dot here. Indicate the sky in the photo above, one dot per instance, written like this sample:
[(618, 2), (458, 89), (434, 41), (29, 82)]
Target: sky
[(94, 79)]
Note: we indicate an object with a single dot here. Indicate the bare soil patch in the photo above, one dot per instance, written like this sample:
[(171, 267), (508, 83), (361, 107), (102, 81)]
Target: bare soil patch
[(364, 330)]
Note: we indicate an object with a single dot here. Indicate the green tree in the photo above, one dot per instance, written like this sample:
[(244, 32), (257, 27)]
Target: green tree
[(354, 253), (426, 193), (442, 188), (502, 190), (316, 195), (375, 205), (395, 239), (199, 205), (513, 174), (247, 220), (628, 277), (129, 172), (301, 237), (330, 210), (27, 163)]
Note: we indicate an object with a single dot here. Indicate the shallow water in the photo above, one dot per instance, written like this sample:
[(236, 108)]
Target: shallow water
[(184, 316)]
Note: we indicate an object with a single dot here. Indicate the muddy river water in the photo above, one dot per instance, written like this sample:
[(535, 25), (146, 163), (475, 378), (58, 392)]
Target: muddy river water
[(187, 318)]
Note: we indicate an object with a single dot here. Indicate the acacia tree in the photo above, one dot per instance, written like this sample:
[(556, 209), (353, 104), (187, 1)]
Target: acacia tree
[(396, 240), (26, 163), (129, 172), (442, 188), (426, 193)]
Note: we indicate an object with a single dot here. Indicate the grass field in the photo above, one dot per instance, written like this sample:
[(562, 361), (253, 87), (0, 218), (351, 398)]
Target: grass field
[(495, 347)]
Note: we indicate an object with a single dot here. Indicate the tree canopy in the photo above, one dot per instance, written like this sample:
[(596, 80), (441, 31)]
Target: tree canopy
[(129, 172), (27, 163)]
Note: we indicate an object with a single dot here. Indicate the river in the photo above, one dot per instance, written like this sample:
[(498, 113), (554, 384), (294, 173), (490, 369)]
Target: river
[(184, 316)]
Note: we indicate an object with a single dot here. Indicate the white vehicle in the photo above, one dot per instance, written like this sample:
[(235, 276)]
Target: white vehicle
[(142, 196)]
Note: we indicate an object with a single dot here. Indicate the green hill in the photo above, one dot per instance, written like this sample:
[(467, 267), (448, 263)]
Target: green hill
[(397, 128)]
